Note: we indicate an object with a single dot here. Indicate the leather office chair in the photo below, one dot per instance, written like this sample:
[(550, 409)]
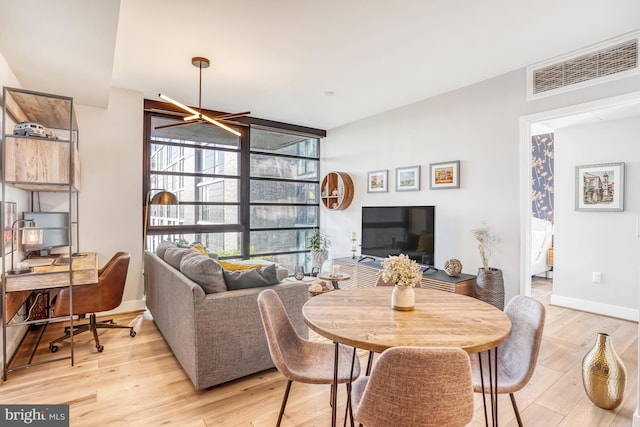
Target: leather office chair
[(299, 359), (416, 386), (90, 299), (518, 355)]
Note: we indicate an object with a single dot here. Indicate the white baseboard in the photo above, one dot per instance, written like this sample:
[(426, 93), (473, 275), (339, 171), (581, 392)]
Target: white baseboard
[(596, 307), (126, 307)]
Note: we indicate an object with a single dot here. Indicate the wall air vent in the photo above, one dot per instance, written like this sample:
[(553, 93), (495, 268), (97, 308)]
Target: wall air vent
[(595, 65)]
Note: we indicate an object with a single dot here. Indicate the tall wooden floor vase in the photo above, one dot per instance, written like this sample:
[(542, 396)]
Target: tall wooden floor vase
[(490, 286), (603, 374)]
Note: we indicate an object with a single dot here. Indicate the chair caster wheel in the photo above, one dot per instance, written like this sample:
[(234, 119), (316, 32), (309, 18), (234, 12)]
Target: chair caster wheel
[(100, 348), (53, 348), (132, 333)]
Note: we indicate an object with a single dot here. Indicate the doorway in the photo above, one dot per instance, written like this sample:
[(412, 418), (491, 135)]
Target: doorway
[(608, 109)]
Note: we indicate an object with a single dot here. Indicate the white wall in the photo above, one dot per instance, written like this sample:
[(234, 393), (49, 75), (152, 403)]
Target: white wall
[(111, 192), (587, 242), (477, 125)]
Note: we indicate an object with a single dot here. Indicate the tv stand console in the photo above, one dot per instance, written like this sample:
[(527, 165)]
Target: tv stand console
[(365, 274)]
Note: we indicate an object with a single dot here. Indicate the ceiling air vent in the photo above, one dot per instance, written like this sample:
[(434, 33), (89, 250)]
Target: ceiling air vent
[(588, 67)]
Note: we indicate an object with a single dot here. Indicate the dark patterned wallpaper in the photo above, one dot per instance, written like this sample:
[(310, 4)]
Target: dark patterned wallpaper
[(542, 174)]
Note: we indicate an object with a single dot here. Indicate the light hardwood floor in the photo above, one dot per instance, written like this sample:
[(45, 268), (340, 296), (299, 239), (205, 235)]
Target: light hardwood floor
[(137, 381)]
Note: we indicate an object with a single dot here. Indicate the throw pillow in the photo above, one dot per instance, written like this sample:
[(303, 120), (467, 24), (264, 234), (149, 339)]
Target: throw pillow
[(162, 247), (197, 247), (254, 278), (173, 256), (233, 266), (203, 270)]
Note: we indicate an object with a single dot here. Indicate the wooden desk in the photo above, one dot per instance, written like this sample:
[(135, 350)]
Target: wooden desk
[(363, 318), (18, 287)]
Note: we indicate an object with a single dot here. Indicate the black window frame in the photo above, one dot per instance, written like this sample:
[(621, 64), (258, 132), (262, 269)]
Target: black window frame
[(243, 125)]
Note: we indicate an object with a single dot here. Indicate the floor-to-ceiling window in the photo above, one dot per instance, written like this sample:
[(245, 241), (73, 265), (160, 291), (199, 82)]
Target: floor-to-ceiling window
[(253, 196), (283, 200)]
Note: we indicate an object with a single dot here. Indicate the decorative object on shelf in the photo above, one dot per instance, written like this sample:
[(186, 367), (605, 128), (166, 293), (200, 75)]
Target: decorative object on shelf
[(197, 116), (408, 178), (377, 181), (404, 273), (600, 188), (453, 267), (163, 197), (33, 129), (603, 374), (444, 175), (489, 283), (337, 191), (318, 243), (353, 245)]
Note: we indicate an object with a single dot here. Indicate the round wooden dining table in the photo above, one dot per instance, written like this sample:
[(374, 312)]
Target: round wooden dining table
[(363, 318)]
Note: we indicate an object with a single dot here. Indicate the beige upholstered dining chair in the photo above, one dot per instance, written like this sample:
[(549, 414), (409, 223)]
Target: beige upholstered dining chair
[(518, 355), (381, 282), (416, 386), (299, 359)]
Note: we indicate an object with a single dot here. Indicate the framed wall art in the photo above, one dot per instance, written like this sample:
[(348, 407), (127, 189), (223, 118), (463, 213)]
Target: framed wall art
[(408, 178), (444, 175), (600, 187), (377, 181), (10, 215)]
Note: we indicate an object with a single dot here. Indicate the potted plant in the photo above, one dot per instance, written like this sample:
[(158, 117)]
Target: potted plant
[(489, 283), (318, 243)]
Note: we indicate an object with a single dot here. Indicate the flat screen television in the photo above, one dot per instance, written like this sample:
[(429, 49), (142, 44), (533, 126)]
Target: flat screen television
[(55, 233), (392, 230)]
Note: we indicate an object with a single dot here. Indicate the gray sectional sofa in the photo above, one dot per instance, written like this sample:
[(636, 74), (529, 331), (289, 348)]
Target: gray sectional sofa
[(216, 337)]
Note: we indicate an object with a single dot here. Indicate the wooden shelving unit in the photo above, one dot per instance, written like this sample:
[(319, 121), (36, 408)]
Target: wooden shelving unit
[(337, 191), (37, 163)]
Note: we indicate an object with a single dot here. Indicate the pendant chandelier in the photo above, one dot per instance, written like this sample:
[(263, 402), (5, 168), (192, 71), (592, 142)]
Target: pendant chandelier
[(198, 116)]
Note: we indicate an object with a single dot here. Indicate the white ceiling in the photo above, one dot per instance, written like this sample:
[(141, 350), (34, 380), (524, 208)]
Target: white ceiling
[(278, 58)]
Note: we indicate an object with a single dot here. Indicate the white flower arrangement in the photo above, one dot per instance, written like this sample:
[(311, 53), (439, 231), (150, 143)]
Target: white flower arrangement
[(400, 270)]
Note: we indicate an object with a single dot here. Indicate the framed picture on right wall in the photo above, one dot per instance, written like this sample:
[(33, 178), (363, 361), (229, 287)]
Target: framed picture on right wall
[(444, 175), (600, 187)]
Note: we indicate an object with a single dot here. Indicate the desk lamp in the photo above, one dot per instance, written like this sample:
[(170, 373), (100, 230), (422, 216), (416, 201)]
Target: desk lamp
[(164, 197), (30, 236)]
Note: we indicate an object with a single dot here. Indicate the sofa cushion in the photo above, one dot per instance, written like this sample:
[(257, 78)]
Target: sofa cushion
[(235, 266), (162, 247), (203, 270), (254, 278), (173, 256)]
